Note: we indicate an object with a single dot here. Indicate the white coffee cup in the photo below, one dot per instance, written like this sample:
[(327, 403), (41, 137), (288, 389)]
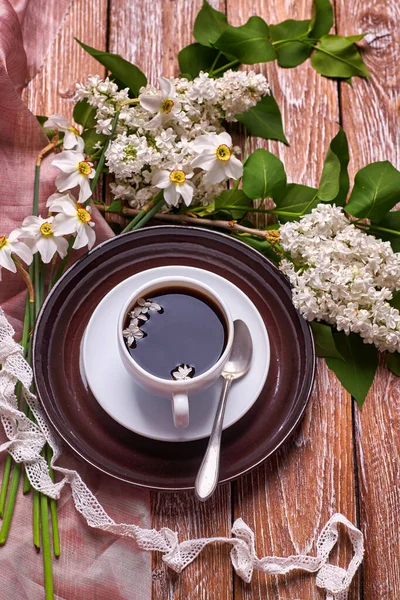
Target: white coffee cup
[(177, 390)]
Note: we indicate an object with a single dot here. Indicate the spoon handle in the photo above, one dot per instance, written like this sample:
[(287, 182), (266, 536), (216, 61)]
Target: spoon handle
[(207, 477)]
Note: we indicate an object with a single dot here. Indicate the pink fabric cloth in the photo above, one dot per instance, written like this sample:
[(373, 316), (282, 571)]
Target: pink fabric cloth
[(93, 565)]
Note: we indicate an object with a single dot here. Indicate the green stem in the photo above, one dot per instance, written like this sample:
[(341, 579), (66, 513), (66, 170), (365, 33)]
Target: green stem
[(4, 483), (53, 508), (211, 71), (61, 268), (36, 191), (378, 228), (47, 561), (224, 67), (148, 216), (36, 519), (143, 213), (12, 497)]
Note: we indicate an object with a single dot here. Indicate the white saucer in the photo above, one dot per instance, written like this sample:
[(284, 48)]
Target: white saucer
[(137, 409)]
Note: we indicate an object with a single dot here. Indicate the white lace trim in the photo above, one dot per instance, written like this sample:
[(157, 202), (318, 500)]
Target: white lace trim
[(26, 440)]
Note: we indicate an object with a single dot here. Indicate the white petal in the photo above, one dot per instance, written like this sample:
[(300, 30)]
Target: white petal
[(23, 251), (205, 142), (167, 87), (91, 234), (67, 181), (47, 248), (155, 121), (68, 160), (81, 239), (69, 140), (64, 224), (224, 138), (186, 191), (215, 174), (56, 121), (150, 103), (171, 196), (204, 161), (80, 144), (161, 179), (56, 199), (6, 261), (85, 192), (14, 235), (62, 245), (234, 168)]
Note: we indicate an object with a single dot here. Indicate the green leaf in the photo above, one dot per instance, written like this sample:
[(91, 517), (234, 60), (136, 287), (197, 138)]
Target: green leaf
[(263, 175), (114, 207), (209, 25), (334, 183), (376, 190), (264, 120), (125, 72), (196, 57), (388, 229), (90, 137), (393, 363), (262, 246), (357, 371), (84, 114), (324, 342), (322, 20), (337, 56), (229, 198), (296, 199), (291, 52), (249, 43)]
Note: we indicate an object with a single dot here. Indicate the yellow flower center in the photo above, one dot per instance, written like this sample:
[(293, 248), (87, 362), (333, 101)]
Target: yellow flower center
[(177, 177), (3, 241), (167, 106), (73, 129), (46, 230), (84, 168), (223, 152), (83, 214)]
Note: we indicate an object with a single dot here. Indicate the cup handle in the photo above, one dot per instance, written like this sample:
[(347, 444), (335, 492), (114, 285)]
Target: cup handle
[(180, 409)]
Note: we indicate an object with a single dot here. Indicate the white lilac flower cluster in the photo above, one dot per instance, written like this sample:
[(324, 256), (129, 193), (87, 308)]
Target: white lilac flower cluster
[(343, 276), (139, 313), (171, 138)]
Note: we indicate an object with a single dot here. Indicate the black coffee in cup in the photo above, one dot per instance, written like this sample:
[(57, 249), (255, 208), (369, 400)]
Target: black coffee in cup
[(176, 333)]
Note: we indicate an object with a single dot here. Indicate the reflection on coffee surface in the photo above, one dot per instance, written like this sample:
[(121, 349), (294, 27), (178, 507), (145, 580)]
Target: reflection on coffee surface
[(177, 334)]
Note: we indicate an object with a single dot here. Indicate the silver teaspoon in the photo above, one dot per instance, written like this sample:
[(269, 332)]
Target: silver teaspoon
[(237, 366)]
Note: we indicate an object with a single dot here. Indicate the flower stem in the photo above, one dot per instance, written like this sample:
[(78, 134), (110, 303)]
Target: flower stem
[(227, 66), (12, 497), (149, 215), (47, 561), (53, 508), (4, 483), (211, 71), (36, 519), (143, 213)]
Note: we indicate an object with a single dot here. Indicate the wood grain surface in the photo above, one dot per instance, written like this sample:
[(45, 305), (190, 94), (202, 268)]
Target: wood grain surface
[(370, 114), (339, 459)]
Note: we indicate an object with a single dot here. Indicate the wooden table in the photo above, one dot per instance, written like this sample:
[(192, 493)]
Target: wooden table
[(340, 459)]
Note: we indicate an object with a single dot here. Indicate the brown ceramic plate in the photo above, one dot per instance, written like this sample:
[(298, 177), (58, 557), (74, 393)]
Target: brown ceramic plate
[(93, 435)]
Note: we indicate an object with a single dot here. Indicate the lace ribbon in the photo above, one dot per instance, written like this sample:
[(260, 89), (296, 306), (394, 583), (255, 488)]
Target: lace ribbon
[(26, 440)]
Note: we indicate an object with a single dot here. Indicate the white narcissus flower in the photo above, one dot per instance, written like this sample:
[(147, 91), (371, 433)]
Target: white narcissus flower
[(40, 238), (175, 184), (11, 245), (76, 172), (216, 157), (73, 218), (165, 104), (71, 134)]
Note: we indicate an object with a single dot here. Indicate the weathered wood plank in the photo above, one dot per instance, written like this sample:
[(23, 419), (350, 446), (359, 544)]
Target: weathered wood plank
[(289, 499), (150, 33), (370, 114), (53, 88)]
